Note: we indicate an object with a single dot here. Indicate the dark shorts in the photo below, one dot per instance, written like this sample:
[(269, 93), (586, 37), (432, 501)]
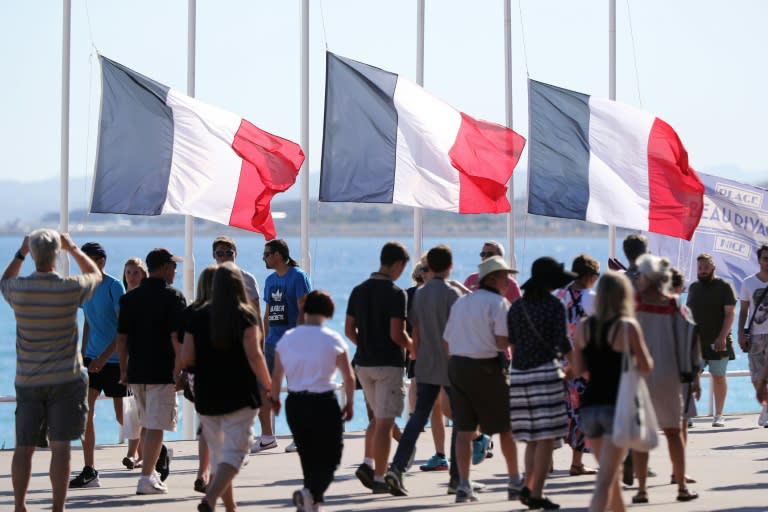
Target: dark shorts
[(63, 406), (479, 395), (107, 380)]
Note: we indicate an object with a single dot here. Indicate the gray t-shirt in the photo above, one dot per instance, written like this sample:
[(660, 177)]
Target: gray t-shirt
[(429, 314), (251, 286)]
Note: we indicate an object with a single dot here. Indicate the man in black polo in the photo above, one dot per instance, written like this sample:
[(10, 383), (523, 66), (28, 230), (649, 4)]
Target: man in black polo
[(376, 324), (151, 317)]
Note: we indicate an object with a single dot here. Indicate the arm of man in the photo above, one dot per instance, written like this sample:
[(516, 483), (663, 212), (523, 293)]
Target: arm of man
[(415, 340), (730, 314), (84, 344), (743, 312), (350, 329), (257, 307), (122, 351), (398, 335), (14, 267), (86, 264), (277, 379), (177, 359), (188, 351), (300, 303)]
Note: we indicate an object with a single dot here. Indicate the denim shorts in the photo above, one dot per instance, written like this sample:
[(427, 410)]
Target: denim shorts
[(597, 420), (717, 367)]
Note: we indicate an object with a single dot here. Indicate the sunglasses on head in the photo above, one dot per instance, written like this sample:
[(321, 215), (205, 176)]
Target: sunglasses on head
[(487, 254), (227, 253)]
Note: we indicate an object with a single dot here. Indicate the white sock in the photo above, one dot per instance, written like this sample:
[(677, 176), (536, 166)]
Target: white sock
[(267, 439), (368, 461), (378, 478)]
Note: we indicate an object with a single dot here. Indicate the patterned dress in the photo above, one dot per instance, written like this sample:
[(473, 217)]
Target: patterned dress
[(572, 300)]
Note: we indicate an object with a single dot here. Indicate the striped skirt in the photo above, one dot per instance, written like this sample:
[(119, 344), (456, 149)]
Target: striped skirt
[(537, 403)]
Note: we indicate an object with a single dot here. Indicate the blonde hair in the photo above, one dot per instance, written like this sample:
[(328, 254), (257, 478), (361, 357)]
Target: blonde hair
[(204, 290), (657, 270), (138, 262), (615, 299), (418, 269)]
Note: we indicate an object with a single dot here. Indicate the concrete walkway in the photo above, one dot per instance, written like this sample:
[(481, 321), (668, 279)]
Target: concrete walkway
[(731, 465)]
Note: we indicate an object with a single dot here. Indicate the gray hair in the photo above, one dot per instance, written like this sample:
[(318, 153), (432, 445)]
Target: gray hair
[(45, 246), (655, 269), (497, 245)]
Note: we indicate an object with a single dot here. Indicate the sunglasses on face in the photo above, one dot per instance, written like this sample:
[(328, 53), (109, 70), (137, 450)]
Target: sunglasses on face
[(487, 254), (228, 254)]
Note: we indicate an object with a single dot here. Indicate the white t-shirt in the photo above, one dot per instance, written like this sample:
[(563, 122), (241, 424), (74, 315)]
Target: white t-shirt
[(588, 301), (251, 285), (751, 290), (475, 321), (308, 354)]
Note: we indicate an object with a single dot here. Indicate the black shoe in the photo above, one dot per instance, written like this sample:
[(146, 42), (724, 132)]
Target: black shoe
[(541, 503), (163, 464), (523, 496), (88, 477), (364, 473), (394, 479), (203, 506), (628, 475), (380, 487)]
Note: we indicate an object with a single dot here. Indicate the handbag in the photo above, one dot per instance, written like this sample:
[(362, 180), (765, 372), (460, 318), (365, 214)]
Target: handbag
[(131, 428), (634, 423)]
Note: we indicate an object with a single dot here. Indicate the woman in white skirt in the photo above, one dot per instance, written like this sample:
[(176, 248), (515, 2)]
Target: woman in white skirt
[(537, 333)]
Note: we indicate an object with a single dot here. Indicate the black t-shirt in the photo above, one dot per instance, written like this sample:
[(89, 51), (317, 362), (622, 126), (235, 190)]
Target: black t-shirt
[(148, 315), (373, 304), (224, 381)]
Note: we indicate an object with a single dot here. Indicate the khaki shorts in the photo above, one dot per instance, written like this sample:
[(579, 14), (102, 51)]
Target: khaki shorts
[(156, 404), (229, 436), (384, 389), (63, 407), (758, 354)]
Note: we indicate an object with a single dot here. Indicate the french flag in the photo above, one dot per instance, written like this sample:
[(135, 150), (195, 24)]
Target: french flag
[(597, 160), (161, 151), (386, 140)]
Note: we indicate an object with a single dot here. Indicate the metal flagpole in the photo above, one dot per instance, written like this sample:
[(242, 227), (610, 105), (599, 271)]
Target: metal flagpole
[(305, 258), (612, 96), (64, 162), (418, 213), (509, 121), (188, 415)]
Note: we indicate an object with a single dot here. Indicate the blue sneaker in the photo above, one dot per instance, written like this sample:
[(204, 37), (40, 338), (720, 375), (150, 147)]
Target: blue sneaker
[(480, 448), (435, 463)]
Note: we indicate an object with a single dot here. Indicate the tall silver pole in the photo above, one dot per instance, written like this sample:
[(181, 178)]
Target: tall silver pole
[(188, 413), (305, 257), (612, 96), (66, 29), (418, 213), (509, 121)]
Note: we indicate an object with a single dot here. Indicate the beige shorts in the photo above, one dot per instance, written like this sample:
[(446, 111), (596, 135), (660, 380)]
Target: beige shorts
[(229, 436), (758, 354), (156, 404), (384, 389)]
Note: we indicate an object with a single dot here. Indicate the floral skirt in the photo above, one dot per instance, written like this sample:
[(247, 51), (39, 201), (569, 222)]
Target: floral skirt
[(575, 436)]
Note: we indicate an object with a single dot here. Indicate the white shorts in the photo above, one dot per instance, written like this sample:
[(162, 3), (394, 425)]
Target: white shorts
[(229, 436), (156, 405)]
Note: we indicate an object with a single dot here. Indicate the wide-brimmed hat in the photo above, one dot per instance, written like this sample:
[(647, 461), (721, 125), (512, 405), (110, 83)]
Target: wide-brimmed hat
[(493, 264), (548, 273)]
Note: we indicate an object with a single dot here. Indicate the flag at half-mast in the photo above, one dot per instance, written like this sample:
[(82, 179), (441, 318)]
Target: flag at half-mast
[(605, 162), (161, 151), (386, 140)]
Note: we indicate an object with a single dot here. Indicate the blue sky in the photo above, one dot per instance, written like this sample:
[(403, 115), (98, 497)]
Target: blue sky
[(700, 65)]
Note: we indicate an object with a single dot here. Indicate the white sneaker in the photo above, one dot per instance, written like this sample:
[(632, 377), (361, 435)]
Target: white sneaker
[(151, 485), (719, 421), (763, 419), (260, 446), (291, 447)]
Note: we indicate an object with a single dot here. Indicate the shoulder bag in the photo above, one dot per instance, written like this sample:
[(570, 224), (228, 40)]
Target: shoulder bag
[(634, 422)]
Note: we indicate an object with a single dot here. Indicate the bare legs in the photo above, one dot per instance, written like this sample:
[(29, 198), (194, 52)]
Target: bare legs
[(607, 486), (720, 389), (538, 457)]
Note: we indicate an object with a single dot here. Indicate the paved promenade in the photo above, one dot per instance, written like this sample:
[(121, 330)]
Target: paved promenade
[(731, 465)]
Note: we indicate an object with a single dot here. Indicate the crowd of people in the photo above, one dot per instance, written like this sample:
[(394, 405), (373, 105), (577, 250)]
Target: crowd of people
[(538, 364)]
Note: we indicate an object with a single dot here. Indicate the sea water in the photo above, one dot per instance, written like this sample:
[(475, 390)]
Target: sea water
[(337, 265)]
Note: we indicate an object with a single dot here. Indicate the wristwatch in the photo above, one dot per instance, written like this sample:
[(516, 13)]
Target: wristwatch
[(20, 256)]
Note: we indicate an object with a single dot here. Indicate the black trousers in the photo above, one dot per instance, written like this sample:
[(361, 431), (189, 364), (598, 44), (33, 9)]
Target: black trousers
[(315, 422)]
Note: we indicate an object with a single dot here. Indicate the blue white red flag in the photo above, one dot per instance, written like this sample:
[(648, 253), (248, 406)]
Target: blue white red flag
[(734, 223), (597, 160), (387, 140), (161, 151)]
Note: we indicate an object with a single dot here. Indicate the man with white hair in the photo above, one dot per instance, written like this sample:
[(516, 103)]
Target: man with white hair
[(51, 383)]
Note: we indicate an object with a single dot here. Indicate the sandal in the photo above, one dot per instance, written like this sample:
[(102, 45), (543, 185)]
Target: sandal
[(581, 469), (688, 479), (640, 497), (686, 495), (131, 462)]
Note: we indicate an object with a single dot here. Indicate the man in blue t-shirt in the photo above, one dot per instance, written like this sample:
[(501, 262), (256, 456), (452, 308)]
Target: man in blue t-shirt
[(284, 292), (101, 359)]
